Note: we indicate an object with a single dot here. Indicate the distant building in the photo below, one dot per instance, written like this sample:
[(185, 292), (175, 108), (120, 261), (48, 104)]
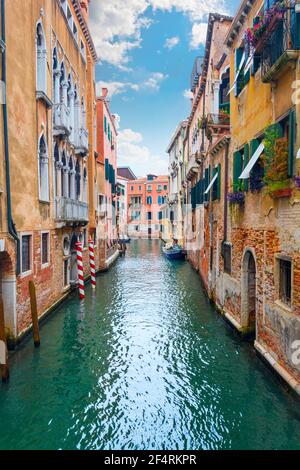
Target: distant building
[(126, 172), (146, 196)]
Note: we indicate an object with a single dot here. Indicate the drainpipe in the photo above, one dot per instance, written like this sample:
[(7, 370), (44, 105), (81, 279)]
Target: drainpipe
[(11, 226), (226, 194)]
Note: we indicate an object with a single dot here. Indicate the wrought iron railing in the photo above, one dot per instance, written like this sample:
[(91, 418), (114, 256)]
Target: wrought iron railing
[(284, 38)]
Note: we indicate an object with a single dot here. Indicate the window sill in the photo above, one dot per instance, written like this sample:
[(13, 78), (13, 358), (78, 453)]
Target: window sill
[(283, 306), (45, 266), (26, 274), (41, 201)]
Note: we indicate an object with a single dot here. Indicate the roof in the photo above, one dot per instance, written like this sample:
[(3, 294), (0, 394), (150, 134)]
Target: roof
[(85, 29), (144, 180), (126, 173), (238, 20)]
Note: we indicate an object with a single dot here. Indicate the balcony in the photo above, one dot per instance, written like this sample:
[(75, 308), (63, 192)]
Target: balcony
[(281, 49), (61, 119), (71, 211), (82, 141), (193, 166)]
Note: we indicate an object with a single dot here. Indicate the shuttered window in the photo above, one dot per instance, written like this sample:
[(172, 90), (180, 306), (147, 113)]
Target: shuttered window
[(237, 171), (106, 169), (292, 134), (246, 161)]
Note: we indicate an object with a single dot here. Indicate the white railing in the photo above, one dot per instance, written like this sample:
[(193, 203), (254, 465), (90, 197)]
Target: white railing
[(70, 210), (61, 116), (81, 138)]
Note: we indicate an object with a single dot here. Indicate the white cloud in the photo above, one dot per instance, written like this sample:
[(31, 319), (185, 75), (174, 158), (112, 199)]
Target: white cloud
[(132, 152), (172, 42), (117, 25), (153, 83), (188, 94), (198, 35), (155, 80), (115, 88)]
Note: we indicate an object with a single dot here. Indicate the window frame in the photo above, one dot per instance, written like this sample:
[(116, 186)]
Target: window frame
[(47, 264), (30, 271), (279, 258)]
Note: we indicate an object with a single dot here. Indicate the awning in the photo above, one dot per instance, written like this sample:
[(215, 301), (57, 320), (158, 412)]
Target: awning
[(246, 173), (212, 183), (238, 73)]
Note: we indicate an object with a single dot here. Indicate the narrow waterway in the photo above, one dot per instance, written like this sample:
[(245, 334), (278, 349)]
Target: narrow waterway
[(145, 363)]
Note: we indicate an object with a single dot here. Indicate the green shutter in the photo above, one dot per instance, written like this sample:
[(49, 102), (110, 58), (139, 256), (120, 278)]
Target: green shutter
[(237, 60), (246, 161), (237, 171), (106, 169), (219, 182), (292, 133)]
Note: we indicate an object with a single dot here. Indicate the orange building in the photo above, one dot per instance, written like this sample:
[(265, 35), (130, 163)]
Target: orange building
[(145, 199)]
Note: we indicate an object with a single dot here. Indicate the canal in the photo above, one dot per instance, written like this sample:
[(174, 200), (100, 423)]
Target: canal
[(144, 363)]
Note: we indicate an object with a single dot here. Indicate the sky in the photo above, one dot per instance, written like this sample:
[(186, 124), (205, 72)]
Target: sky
[(147, 49)]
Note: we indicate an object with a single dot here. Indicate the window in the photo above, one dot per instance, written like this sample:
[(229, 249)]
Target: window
[(159, 188), (41, 59), (66, 272), (160, 216), (137, 228), (132, 188), (26, 253), (285, 281), (45, 249), (140, 188), (105, 124), (227, 251), (216, 189), (159, 200), (69, 17), (165, 187), (75, 32), (43, 170), (149, 200), (149, 188), (149, 215), (242, 78), (82, 49), (84, 238)]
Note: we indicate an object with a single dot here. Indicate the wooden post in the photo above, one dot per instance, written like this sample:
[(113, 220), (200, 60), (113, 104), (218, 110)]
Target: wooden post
[(4, 367), (34, 315)]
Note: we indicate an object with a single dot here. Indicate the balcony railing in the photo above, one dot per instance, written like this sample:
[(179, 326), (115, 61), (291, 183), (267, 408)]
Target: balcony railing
[(281, 48), (218, 120), (193, 166), (70, 210), (61, 118)]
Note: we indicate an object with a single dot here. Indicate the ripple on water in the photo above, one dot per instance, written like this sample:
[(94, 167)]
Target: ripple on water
[(144, 363)]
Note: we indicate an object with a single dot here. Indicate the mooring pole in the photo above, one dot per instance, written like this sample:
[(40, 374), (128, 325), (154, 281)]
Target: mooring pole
[(34, 315), (3, 346)]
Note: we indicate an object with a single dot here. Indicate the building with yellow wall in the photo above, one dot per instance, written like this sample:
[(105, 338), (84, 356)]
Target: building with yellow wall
[(49, 151)]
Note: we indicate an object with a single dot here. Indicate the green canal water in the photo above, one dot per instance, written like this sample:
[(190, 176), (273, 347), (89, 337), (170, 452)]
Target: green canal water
[(144, 363)]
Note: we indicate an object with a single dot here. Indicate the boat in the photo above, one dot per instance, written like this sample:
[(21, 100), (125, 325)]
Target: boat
[(174, 252)]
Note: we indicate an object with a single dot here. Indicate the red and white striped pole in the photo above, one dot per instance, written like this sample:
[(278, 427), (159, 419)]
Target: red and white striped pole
[(80, 271), (92, 263)]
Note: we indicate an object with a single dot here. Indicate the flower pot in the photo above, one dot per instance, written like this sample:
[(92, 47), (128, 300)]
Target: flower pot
[(270, 28), (280, 193)]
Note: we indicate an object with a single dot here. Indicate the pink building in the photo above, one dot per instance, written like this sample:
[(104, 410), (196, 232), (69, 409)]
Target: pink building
[(146, 197), (107, 176)]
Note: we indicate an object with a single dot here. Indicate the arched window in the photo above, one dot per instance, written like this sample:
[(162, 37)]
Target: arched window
[(58, 166), (70, 177), (64, 186), (61, 83), (43, 169), (78, 180), (41, 59), (83, 114), (71, 105), (84, 185)]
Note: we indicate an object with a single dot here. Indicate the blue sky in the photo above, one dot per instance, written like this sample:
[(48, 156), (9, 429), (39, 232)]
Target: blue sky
[(147, 49)]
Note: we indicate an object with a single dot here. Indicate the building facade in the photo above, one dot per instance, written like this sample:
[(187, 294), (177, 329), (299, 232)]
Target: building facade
[(106, 162), (46, 145), (176, 178), (241, 161), (146, 196)]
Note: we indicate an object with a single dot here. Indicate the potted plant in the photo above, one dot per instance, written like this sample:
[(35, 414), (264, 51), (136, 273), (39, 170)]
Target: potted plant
[(276, 164), (237, 198)]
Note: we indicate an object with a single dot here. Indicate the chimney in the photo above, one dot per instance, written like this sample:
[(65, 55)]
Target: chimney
[(104, 92)]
